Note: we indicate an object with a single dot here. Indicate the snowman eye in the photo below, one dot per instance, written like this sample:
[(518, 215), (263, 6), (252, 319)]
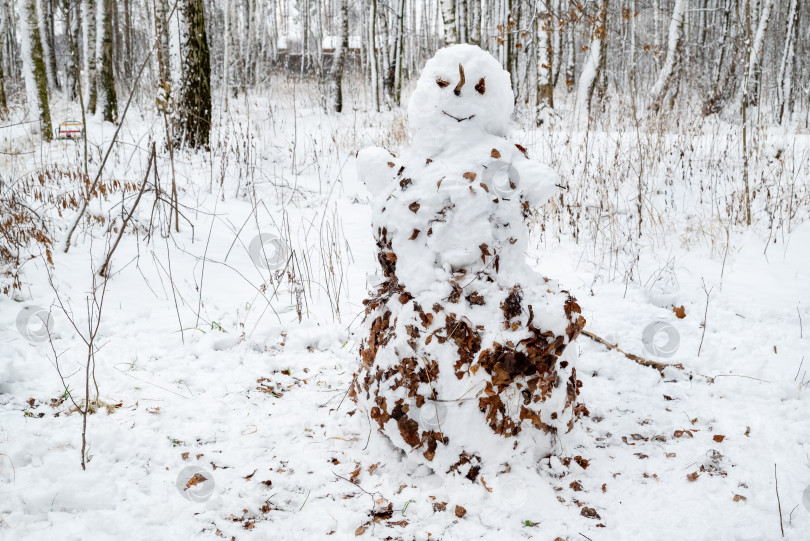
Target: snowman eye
[(481, 87), (442, 83)]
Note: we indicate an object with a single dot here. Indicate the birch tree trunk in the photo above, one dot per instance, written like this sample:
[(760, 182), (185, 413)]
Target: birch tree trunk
[(784, 85), (555, 31), (449, 20), (90, 25), (226, 53), (372, 53), (755, 57), (461, 20), (590, 70), (106, 80), (195, 99), (162, 30), (475, 22), (46, 29), (668, 70), (570, 64), (399, 54), (37, 77), (545, 80), (3, 103), (336, 89), (69, 10)]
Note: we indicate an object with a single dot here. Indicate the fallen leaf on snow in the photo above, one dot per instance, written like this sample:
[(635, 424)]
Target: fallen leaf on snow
[(195, 480)]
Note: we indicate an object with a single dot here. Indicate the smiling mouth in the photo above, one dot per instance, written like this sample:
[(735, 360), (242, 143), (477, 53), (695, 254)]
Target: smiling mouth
[(456, 118)]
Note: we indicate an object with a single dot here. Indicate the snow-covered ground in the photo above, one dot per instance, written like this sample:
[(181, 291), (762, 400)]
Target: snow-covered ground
[(204, 364)]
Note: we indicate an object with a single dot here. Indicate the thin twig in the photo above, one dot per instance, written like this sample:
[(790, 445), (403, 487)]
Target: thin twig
[(635, 358), (705, 315), (778, 501), (93, 186), (105, 266)]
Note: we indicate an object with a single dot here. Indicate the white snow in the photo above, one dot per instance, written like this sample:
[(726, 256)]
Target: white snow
[(644, 436)]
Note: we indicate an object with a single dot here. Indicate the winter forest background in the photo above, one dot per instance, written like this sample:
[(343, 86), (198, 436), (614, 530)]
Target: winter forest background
[(183, 275), (693, 58)]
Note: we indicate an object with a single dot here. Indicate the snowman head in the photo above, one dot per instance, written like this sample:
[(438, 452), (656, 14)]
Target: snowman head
[(463, 92)]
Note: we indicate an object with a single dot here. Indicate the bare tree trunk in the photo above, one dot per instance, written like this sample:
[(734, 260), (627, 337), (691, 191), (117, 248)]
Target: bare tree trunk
[(744, 95), (127, 41), (400, 51), (511, 53), (36, 65), (555, 31), (475, 22), (3, 103), (372, 52), (784, 85), (161, 13), (387, 57), (90, 26), (449, 19), (305, 52), (195, 99), (670, 67), (226, 54), (461, 21), (590, 70), (70, 12), (47, 16), (631, 73), (340, 59), (570, 64), (545, 80), (106, 78)]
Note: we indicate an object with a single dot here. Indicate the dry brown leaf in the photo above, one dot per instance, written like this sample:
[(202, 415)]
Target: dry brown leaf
[(360, 531), (460, 511), (739, 498), (195, 480), (680, 311), (718, 438), (693, 476), (589, 512)]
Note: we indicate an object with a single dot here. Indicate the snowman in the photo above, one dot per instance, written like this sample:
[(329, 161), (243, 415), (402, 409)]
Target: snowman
[(467, 353)]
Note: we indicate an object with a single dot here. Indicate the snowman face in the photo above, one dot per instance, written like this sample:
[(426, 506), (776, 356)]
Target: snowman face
[(463, 92)]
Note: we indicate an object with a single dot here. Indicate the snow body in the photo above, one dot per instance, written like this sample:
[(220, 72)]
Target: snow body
[(466, 362)]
